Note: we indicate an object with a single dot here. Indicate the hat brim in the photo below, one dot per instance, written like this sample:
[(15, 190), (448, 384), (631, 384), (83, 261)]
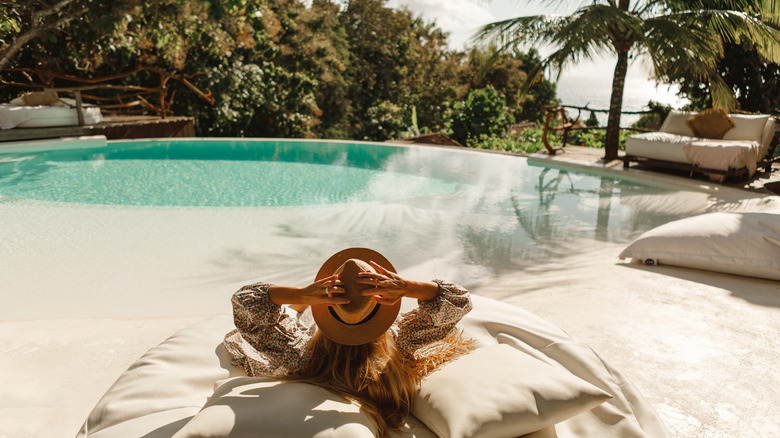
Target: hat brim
[(365, 331)]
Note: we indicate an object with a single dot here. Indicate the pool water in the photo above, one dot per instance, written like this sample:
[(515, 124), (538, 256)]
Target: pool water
[(214, 174), (133, 228), (493, 210)]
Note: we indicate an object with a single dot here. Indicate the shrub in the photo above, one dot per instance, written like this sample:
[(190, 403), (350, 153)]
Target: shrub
[(483, 112), (253, 101), (529, 141), (653, 119), (384, 122)]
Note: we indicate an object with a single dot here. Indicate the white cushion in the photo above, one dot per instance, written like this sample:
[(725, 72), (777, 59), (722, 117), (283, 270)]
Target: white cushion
[(734, 243), (498, 391), (747, 127), (245, 406), (13, 116), (766, 137), (675, 123), (659, 146)]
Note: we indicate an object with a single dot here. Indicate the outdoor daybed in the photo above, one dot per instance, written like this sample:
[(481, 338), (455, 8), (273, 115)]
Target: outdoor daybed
[(733, 145), (49, 113), (525, 377)]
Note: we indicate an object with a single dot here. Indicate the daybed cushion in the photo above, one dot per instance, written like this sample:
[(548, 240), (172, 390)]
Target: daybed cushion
[(658, 146), (734, 243), (747, 127), (38, 98), (170, 385), (42, 116), (676, 123), (508, 393)]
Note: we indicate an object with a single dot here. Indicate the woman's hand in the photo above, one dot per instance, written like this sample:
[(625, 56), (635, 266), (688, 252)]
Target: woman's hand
[(324, 291), (391, 287)]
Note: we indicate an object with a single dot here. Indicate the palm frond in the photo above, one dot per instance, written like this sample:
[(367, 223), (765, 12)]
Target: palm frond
[(649, 8), (678, 49), (770, 11), (529, 30), (737, 27), (722, 95), (587, 33)]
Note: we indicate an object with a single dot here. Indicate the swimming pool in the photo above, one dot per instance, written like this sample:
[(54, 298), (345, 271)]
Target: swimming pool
[(166, 218), (208, 173)]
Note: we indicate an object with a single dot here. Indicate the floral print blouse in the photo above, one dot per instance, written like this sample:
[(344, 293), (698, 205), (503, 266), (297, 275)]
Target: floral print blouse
[(268, 341)]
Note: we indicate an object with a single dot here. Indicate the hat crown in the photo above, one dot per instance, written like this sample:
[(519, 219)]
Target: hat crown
[(359, 306), (364, 319)]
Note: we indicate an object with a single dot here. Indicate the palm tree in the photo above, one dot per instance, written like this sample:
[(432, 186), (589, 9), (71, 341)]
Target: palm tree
[(678, 37)]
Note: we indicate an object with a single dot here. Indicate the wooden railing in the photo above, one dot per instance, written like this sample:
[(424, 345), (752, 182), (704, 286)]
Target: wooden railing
[(556, 112)]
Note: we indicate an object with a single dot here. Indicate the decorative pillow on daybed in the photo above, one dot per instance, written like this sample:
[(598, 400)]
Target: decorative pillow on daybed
[(712, 123), (734, 243), (498, 391)]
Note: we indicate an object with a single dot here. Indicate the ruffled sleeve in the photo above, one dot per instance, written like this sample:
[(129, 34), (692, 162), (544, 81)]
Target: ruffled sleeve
[(267, 341), (433, 320)]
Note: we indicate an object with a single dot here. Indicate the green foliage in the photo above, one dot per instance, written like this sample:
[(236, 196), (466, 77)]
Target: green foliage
[(255, 101), (396, 57), (482, 113), (754, 82), (654, 118), (276, 67), (508, 72), (594, 138), (530, 141), (385, 121), (592, 120)]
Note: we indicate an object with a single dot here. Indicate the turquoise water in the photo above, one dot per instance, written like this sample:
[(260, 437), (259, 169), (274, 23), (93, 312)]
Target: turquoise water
[(483, 200), (215, 174)]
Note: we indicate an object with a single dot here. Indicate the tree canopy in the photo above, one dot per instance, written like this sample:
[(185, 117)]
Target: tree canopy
[(355, 69)]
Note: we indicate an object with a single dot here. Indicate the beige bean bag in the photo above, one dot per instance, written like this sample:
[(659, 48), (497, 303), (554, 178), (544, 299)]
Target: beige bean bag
[(525, 377)]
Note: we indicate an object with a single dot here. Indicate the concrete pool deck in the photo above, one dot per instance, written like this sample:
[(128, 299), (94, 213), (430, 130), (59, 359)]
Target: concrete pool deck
[(701, 347)]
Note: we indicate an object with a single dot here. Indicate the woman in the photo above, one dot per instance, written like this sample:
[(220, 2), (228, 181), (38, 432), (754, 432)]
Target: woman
[(357, 346)]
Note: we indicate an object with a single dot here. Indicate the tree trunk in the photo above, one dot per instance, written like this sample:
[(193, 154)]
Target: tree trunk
[(612, 138)]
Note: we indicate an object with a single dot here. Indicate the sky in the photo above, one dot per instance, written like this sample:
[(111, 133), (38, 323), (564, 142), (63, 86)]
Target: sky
[(462, 18)]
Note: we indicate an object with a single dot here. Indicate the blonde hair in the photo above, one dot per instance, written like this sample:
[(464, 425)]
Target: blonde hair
[(376, 375)]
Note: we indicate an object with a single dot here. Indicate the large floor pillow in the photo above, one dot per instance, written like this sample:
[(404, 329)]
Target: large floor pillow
[(746, 243), (526, 377)]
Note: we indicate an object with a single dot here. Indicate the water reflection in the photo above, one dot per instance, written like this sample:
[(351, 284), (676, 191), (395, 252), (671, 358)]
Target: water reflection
[(567, 209)]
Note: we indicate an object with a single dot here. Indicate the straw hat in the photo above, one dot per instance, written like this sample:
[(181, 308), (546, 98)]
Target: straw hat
[(363, 319)]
